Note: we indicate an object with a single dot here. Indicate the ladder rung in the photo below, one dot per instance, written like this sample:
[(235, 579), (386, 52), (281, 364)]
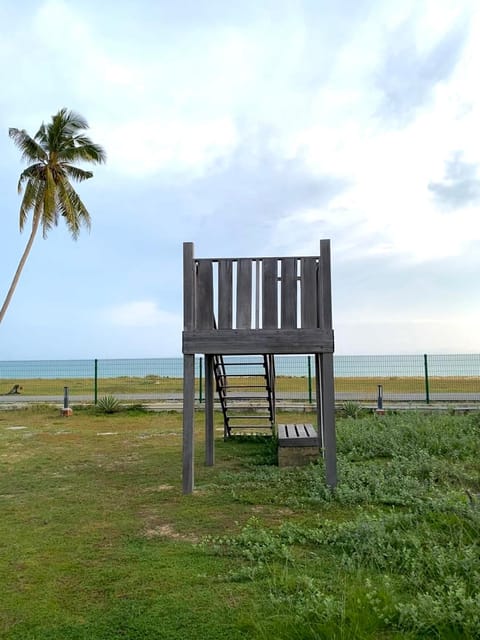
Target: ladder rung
[(251, 426), (243, 386), (240, 364), (229, 397), (241, 375), (259, 417)]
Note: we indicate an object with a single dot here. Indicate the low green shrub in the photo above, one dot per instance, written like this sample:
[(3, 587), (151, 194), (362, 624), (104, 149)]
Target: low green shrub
[(108, 404)]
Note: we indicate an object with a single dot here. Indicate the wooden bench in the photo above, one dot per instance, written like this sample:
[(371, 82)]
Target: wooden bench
[(297, 445)]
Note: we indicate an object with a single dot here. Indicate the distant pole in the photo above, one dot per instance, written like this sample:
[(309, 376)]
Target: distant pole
[(95, 392), (380, 398), (200, 386), (427, 385), (66, 411)]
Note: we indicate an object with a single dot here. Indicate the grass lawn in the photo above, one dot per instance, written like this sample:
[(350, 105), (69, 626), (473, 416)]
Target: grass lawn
[(284, 384), (97, 542)]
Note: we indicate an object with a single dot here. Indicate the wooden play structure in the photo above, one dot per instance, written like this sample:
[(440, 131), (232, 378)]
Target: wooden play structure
[(255, 307)]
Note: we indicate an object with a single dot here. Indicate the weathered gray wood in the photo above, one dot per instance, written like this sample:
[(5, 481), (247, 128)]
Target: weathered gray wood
[(204, 296), (244, 294), (315, 335), (308, 292), (225, 294), (257, 294), (188, 286), (325, 286), (238, 342), (318, 395), (297, 435), (289, 293), (328, 409), (188, 421), (209, 428), (270, 293)]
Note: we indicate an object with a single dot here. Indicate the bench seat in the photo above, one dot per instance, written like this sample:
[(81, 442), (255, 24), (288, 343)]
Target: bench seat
[(298, 445), (297, 435)]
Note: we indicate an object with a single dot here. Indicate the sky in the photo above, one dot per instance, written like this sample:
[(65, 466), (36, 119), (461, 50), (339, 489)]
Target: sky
[(249, 128)]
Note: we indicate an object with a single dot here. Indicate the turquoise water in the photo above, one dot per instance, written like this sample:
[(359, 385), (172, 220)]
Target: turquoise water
[(345, 366)]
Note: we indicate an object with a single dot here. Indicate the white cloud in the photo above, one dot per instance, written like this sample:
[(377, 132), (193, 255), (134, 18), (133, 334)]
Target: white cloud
[(141, 314), (407, 336), (144, 146)]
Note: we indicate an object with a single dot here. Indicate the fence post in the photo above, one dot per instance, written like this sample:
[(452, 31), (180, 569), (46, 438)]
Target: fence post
[(95, 388), (200, 389), (427, 387), (309, 363)]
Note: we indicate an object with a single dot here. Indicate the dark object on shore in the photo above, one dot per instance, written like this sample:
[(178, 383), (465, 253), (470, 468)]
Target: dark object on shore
[(16, 389)]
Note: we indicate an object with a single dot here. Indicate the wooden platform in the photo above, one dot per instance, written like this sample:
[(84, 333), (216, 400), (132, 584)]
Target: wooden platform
[(297, 445), (297, 435)]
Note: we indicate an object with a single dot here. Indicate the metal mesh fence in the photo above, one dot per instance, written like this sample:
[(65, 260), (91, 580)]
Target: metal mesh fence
[(416, 378)]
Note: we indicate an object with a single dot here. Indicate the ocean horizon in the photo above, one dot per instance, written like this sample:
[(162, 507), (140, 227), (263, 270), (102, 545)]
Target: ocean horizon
[(461, 365)]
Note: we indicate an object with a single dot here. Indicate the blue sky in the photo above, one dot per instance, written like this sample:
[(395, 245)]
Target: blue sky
[(252, 128)]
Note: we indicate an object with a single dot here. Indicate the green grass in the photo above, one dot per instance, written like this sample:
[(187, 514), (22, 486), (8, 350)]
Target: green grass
[(97, 542), (152, 384)]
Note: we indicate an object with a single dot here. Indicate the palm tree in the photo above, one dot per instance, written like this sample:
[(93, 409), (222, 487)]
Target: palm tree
[(46, 187)]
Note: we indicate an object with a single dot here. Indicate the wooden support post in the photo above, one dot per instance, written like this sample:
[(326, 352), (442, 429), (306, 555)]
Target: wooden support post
[(318, 394), (326, 367), (188, 369), (328, 421), (209, 428), (188, 421)]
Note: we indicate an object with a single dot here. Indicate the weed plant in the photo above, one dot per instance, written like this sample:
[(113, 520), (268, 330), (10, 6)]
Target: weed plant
[(404, 563), (108, 404)]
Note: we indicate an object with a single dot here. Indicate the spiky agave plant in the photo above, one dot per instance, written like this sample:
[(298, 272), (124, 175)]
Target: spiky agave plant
[(108, 404)]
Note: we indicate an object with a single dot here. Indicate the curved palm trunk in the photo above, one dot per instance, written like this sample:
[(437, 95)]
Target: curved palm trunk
[(21, 264)]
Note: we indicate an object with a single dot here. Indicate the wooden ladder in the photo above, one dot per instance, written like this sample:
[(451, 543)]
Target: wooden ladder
[(246, 390)]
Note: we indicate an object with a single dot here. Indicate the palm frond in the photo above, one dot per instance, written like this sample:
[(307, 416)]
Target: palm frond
[(42, 137), (30, 149), (64, 125), (85, 150), (49, 198), (72, 208), (79, 175), (35, 171), (29, 199), (71, 120)]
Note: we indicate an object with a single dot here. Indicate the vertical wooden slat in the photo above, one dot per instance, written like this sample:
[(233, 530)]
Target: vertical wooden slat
[(209, 428), (225, 297), (204, 295), (324, 287), (244, 293), (289, 293), (188, 421), (269, 293), (308, 293), (188, 287)]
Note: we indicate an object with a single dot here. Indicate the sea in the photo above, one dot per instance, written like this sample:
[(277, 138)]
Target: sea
[(461, 365)]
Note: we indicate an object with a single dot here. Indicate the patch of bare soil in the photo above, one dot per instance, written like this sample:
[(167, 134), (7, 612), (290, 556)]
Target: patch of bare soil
[(155, 529)]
